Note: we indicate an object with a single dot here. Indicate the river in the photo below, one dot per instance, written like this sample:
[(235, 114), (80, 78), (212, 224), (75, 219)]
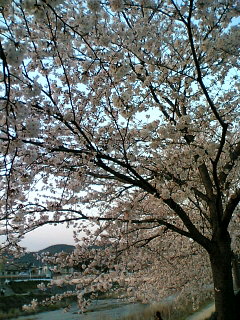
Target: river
[(109, 309)]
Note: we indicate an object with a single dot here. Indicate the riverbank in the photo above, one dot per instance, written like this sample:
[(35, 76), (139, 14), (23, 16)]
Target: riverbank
[(19, 293), (204, 313), (109, 309), (11, 306), (115, 309)]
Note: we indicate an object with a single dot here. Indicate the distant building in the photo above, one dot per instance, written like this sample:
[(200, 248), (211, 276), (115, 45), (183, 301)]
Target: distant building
[(62, 272), (31, 266), (14, 271)]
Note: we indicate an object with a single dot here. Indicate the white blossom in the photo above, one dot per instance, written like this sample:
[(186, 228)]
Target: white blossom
[(94, 5), (122, 118), (4, 3), (15, 54), (165, 194), (117, 5), (32, 127)]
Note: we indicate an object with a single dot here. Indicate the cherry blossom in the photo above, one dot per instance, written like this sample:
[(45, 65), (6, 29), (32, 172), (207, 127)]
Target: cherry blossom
[(121, 118)]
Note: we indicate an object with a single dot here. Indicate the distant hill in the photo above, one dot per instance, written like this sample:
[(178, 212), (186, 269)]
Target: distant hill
[(31, 257), (57, 248)]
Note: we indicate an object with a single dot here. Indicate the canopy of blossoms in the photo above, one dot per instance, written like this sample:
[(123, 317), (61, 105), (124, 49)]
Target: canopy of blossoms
[(121, 118)]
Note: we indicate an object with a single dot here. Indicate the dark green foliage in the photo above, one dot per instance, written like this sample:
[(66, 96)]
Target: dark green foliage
[(12, 305), (17, 301), (24, 286)]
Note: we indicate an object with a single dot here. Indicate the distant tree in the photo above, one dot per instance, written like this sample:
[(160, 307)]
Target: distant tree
[(125, 114)]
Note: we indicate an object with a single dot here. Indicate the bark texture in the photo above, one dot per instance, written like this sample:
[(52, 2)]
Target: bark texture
[(220, 257), (236, 272)]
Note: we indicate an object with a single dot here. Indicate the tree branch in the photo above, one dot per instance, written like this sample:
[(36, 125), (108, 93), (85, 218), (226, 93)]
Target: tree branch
[(230, 207)]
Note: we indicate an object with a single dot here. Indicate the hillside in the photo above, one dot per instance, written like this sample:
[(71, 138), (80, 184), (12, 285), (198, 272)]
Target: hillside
[(31, 257), (57, 248)]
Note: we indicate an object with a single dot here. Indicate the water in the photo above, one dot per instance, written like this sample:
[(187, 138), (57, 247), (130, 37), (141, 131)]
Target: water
[(109, 309)]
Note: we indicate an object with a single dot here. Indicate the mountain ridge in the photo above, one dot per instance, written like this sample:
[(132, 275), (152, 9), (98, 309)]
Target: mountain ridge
[(32, 257), (57, 248)]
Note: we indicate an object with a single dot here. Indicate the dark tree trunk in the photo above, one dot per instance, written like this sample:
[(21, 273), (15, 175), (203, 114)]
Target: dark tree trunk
[(236, 272), (221, 257)]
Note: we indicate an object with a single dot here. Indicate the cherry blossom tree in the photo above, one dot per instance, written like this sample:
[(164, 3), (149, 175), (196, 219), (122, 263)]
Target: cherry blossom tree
[(124, 114)]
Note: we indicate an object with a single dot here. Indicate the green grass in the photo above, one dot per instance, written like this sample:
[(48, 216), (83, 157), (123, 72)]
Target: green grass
[(24, 286)]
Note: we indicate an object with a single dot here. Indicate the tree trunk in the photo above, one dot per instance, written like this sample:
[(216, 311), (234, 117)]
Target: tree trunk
[(220, 257), (236, 272)]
